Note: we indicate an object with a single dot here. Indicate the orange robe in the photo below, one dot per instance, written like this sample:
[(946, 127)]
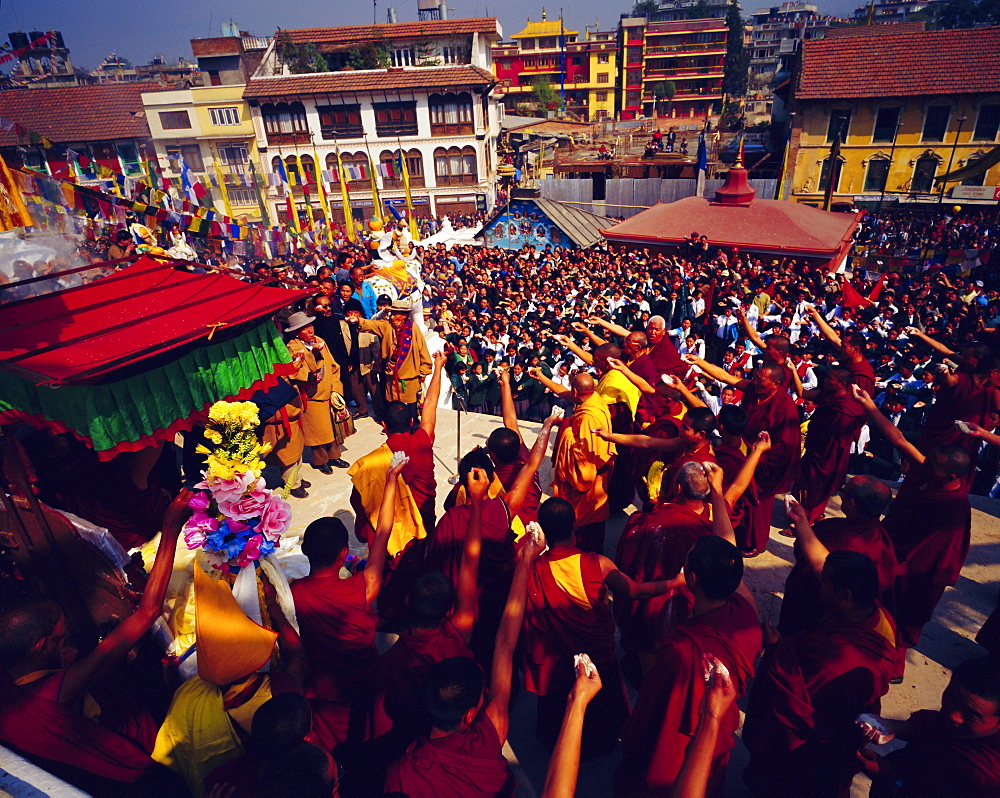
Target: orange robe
[(583, 462)]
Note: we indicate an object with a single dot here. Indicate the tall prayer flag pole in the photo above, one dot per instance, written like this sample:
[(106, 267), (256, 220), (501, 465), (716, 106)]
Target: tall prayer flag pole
[(346, 197), (414, 230)]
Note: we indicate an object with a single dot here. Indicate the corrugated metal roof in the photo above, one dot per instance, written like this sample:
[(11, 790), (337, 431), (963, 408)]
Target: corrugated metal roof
[(583, 227)]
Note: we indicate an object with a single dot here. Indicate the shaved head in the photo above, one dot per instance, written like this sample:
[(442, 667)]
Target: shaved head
[(637, 340), (582, 384)]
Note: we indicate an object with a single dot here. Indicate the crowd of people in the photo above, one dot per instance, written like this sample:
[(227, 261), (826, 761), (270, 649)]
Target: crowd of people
[(710, 393)]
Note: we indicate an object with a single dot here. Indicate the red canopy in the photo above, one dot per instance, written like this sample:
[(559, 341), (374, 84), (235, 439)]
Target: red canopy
[(149, 307)]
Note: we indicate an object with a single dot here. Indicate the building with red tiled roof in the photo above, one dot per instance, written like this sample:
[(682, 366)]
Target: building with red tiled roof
[(104, 123), (417, 90), (879, 124)]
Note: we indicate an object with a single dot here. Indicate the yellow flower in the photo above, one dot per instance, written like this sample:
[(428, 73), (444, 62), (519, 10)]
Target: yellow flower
[(213, 435), (223, 467), (242, 415)]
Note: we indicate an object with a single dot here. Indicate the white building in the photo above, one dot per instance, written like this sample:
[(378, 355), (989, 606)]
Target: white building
[(371, 91)]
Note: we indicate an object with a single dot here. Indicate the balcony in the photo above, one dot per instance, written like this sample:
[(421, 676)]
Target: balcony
[(675, 74), (287, 139), (705, 48)]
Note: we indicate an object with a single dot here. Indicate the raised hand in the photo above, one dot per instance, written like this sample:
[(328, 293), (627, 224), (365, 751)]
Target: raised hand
[(588, 680), (396, 465), (796, 512), (534, 541), (439, 359), (616, 364), (478, 484), (579, 326), (763, 442), (862, 396), (714, 474)]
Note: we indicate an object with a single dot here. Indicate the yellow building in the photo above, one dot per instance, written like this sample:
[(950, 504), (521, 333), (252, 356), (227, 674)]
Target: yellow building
[(915, 107), (602, 49)]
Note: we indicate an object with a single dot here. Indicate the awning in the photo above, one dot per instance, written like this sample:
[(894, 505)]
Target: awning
[(129, 360), (972, 168)]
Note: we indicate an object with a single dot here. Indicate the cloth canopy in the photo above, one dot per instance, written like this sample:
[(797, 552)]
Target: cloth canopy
[(128, 361)]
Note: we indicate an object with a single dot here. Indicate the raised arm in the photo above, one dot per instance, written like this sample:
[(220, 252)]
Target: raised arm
[(295, 661), (692, 779), (563, 393), (887, 428), (507, 404), (812, 549), (687, 396), (623, 586), (428, 415), (748, 328), (379, 549), (983, 434), (722, 524), (610, 326), (641, 441), (824, 327), (745, 475), (468, 574), (515, 496), (113, 648), (593, 337), (502, 671), (639, 382), (564, 765), (577, 350), (715, 372)]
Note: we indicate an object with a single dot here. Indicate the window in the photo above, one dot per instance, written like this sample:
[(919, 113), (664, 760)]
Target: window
[(923, 174), (455, 167), (300, 169), (575, 60), (285, 123), (632, 98), (395, 119), (225, 116), (824, 176), (602, 96), (191, 153), (34, 159), (358, 161), (529, 63), (877, 174), (528, 44), (602, 77), (987, 123), (241, 196), (547, 43), (840, 121), (343, 121), (634, 55), (975, 180), (129, 157), (234, 158), (403, 57), (214, 78), (602, 58), (414, 166), (451, 114), (456, 55), (885, 125), (936, 122), (175, 120)]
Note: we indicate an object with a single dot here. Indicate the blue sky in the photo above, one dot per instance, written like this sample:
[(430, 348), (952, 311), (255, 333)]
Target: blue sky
[(138, 29)]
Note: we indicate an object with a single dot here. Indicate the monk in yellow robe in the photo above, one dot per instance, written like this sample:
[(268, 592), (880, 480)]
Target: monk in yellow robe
[(583, 463), (622, 398)]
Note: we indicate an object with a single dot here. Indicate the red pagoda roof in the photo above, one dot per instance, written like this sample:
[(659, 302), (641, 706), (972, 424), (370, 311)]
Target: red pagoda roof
[(736, 218)]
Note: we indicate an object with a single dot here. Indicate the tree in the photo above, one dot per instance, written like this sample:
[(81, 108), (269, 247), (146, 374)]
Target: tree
[(545, 95), (737, 63), (665, 90), (966, 13), (369, 56), (644, 8), (700, 10), (300, 59)]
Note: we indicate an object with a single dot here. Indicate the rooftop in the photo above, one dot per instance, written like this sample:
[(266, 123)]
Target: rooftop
[(77, 113), (359, 34), (905, 64), (547, 27), (369, 80)]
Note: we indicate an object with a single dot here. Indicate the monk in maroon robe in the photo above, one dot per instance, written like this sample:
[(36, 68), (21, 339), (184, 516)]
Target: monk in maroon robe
[(462, 753), (862, 499), (809, 688), (723, 626), (568, 613), (41, 697), (337, 622), (828, 443), (653, 546), (962, 396), (951, 751), (929, 523)]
